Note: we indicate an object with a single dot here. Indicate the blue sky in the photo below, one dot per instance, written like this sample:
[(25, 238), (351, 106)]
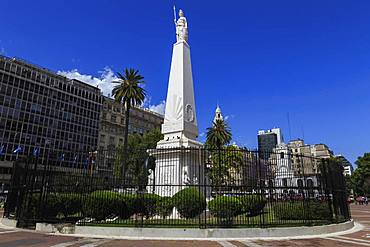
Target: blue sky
[(260, 60)]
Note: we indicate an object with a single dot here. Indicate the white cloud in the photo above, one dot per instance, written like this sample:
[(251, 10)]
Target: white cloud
[(104, 81), (202, 134), (159, 108), (146, 102), (227, 117)]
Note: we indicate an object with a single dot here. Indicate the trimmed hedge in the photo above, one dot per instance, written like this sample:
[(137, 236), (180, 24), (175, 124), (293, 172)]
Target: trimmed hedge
[(130, 200), (252, 204), (165, 206), (189, 202), (50, 207), (319, 210), (101, 204), (225, 206), (70, 204), (146, 204), (309, 210)]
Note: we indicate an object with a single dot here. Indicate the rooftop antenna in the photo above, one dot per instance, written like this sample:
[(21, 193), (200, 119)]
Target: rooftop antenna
[(290, 132), (302, 129)]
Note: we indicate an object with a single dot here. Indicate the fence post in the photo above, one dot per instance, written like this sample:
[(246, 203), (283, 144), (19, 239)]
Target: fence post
[(326, 189), (11, 202), (24, 192), (259, 182), (205, 155), (346, 204), (41, 205), (33, 182), (306, 204), (19, 199), (333, 190), (196, 161)]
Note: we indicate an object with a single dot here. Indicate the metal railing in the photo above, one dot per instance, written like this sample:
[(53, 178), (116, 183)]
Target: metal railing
[(178, 187)]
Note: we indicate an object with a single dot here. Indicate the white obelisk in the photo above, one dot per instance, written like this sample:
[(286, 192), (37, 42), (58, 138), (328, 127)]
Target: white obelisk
[(180, 122), (175, 167)]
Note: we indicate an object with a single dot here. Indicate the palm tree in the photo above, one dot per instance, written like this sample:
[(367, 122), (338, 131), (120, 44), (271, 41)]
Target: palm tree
[(218, 135), (128, 92)]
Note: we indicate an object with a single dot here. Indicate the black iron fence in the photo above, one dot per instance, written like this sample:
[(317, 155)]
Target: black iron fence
[(178, 187)]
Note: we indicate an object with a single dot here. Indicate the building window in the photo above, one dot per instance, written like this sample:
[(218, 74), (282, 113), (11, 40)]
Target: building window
[(309, 183), (300, 183), (111, 140), (285, 182)]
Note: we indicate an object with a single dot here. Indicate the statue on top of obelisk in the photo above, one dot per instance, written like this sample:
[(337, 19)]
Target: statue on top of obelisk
[(181, 26)]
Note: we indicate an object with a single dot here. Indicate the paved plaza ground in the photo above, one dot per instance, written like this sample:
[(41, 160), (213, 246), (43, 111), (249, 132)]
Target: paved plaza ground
[(20, 238)]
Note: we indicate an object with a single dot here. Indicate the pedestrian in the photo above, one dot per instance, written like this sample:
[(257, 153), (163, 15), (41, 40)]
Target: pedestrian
[(359, 200), (366, 201)]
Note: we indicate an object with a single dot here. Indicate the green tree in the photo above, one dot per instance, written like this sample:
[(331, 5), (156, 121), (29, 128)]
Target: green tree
[(335, 168), (226, 167), (151, 138), (118, 161), (361, 176), (128, 92), (349, 186), (138, 146), (218, 135)]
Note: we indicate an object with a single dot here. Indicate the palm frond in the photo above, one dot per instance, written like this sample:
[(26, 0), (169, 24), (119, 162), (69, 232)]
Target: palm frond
[(218, 135)]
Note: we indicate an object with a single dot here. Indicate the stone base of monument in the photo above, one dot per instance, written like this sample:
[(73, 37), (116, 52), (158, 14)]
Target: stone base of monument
[(177, 168), (174, 215)]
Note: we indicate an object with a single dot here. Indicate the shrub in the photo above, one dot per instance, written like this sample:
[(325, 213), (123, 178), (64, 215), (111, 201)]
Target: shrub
[(319, 210), (309, 210), (252, 204), (289, 211), (165, 206), (146, 204), (32, 204), (50, 207), (189, 202), (101, 204), (225, 206), (131, 203), (70, 204)]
